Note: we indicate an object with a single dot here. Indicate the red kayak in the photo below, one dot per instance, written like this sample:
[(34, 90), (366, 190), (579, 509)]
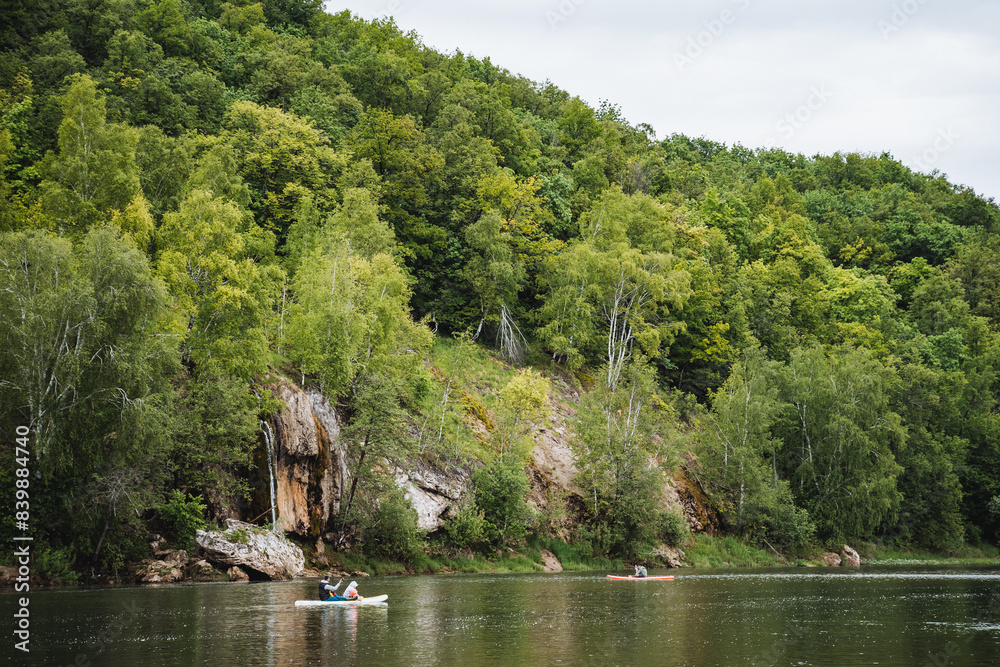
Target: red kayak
[(631, 578)]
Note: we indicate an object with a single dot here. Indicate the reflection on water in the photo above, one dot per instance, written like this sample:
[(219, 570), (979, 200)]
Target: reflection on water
[(887, 616)]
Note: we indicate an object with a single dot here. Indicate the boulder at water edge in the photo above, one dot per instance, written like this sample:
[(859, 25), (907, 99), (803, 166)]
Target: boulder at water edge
[(254, 549), (830, 559), (850, 556)]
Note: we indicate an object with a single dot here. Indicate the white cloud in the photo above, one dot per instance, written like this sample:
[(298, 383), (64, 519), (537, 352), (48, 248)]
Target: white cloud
[(895, 73)]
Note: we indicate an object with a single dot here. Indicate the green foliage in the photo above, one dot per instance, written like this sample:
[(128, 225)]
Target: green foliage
[(94, 171), (214, 429), (727, 551), (55, 566), (217, 268), (673, 528), (500, 489), (522, 403), (183, 514), (225, 181), (392, 532), (619, 449), (841, 435), (467, 528)]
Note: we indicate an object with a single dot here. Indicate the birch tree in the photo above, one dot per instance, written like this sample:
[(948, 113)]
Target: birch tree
[(840, 436), (614, 291)]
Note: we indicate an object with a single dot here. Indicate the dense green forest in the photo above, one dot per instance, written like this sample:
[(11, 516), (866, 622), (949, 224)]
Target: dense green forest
[(194, 191)]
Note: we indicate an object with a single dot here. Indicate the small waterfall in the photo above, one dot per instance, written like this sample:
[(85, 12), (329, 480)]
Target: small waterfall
[(269, 440)]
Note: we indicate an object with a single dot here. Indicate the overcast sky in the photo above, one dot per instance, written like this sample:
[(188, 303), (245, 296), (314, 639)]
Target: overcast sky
[(919, 79)]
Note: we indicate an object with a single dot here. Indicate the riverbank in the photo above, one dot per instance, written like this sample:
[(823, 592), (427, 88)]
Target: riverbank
[(699, 552)]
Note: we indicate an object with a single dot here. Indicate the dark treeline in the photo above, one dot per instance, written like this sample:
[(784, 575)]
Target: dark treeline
[(193, 189)]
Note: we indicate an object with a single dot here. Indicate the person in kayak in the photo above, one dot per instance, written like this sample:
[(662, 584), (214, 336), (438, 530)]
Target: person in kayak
[(352, 592), (328, 592), (640, 572)]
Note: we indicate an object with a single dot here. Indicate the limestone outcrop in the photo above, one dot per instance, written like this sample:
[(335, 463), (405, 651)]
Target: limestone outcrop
[(830, 559), (254, 550), (850, 557), (433, 492), (310, 465)]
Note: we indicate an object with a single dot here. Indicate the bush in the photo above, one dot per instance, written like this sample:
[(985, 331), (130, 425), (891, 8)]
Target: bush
[(56, 566), (466, 528), (500, 489), (393, 531), (183, 516), (673, 527)]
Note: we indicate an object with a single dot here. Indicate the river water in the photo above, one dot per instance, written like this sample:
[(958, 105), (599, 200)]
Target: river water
[(872, 616)]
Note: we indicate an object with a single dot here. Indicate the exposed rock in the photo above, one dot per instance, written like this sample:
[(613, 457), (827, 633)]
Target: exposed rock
[(173, 557), (311, 463), (321, 558), (7, 574), (268, 554), (830, 559), (433, 492), (202, 570), (161, 572), (156, 543), (850, 556), (166, 567), (552, 453), (698, 510), (236, 574), (550, 562), (671, 556)]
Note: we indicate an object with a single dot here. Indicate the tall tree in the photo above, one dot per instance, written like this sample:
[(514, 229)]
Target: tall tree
[(95, 170), (220, 269), (841, 438)]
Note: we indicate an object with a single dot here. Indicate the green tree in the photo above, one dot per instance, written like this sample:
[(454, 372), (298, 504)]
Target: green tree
[(523, 402), (741, 456), (840, 439), (83, 368), (95, 170), (377, 443), (496, 275), (616, 287), (220, 271), (282, 159), (409, 168), (620, 447), (500, 489), (351, 316)]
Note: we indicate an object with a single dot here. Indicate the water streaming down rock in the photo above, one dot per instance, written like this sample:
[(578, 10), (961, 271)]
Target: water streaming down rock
[(310, 462), (269, 441), (310, 467)]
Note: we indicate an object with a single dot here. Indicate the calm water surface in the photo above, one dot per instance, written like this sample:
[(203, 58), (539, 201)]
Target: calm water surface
[(875, 616)]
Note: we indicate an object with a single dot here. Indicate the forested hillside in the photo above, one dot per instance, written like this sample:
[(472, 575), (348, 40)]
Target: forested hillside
[(194, 191)]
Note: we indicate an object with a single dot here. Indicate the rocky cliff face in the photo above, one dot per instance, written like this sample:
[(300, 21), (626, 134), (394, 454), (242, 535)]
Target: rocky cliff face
[(433, 491), (311, 469), (311, 462)]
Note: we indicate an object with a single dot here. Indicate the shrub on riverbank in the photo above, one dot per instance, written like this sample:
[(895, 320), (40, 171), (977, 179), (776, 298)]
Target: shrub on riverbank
[(706, 551)]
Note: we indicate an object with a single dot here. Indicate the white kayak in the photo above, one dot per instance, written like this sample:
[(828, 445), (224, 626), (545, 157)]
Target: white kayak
[(333, 603)]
